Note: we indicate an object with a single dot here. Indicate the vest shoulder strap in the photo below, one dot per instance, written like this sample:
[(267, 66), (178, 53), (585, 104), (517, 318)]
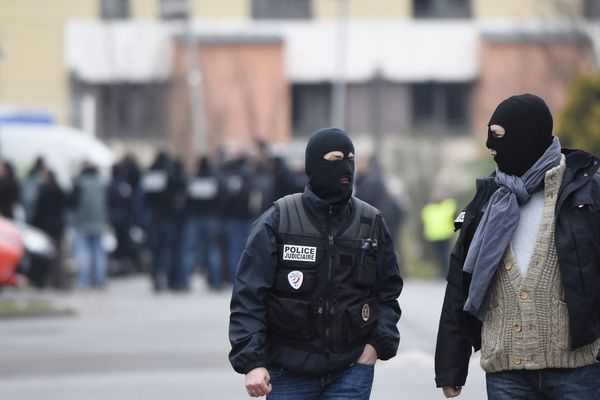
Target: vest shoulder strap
[(292, 216), (294, 220), (365, 222)]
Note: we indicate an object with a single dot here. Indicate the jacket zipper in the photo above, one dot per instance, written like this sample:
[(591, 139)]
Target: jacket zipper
[(330, 265)]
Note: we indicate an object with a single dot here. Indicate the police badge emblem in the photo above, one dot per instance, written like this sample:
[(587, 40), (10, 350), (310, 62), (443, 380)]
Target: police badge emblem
[(365, 313), (295, 279), (460, 219)]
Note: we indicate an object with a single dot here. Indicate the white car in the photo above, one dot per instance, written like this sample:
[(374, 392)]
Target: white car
[(64, 149)]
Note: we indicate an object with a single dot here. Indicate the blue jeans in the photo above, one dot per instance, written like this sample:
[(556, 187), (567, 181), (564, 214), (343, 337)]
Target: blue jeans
[(547, 384), (353, 383), (201, 238), (163, 245), (90, 258)]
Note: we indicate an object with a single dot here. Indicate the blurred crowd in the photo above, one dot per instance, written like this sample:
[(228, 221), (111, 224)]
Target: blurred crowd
[(161, 221)]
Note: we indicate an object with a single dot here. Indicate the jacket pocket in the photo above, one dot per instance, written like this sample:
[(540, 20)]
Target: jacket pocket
[(584, 222), (289, 318), (359, 320), (366, 270)]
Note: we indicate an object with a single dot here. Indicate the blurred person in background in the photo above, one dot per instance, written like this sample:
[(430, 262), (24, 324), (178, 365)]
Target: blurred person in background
[(139, 213), (200, 239), (9, 190), (236, 212), (120, 206), (178, 277), (370, 183), (249, 190), (49, 215), (524, 279), (314, 303), (131, 170), (371, 187), (261, 167), (30, 186), (89, 220), (127, 215), (286, 180), (165, 195), (438, 228), (160, 227)]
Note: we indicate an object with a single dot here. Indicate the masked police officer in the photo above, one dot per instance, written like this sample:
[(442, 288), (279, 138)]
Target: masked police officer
[(314, 303)]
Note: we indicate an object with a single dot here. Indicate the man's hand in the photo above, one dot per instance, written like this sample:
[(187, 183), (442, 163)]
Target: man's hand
[(451, 391), (258, 382), (368, 356)]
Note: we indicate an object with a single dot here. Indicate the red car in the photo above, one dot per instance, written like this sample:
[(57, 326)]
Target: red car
[(11, 251)]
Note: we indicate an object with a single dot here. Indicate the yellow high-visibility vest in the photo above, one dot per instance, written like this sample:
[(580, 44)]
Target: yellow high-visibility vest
[(438, 220)]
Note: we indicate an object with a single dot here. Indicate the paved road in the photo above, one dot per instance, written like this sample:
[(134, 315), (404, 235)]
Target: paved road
[(127, 343)]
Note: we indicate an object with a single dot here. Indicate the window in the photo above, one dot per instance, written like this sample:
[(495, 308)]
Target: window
[(442, 8), (591, 9), (281, 9), (114, 9), (311, 107), (174, 9), (130, 111), (440, 104)]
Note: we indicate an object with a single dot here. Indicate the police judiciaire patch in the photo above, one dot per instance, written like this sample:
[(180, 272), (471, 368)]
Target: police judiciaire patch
[(299, 253)]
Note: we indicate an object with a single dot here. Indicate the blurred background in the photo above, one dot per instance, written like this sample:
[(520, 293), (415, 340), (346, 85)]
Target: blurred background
[(139, 139)]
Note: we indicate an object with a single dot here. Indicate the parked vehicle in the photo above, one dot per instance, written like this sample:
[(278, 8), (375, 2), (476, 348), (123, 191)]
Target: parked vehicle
[(64, 149), (11, 251)]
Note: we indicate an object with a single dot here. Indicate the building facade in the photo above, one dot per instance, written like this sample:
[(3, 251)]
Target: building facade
[(382, 67)]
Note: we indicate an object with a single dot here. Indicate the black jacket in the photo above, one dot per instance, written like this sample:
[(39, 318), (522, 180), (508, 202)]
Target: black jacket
[(236, 179), (50, 209), (249, 327), (577, 235)]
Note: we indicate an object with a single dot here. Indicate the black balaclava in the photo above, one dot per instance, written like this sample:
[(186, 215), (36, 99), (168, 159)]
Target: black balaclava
[(324, 176), (527, 122)]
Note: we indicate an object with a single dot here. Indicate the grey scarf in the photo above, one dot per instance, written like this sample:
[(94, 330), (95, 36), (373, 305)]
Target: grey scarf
[(498, 223)]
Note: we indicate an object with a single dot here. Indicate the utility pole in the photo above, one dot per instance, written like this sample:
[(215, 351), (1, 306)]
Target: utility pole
[(338, 98), (375, 109), (194, 84)]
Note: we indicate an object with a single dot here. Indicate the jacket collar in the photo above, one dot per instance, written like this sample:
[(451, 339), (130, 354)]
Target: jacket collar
[(581, 168), (320, 207), (581, 161), (328, 219)]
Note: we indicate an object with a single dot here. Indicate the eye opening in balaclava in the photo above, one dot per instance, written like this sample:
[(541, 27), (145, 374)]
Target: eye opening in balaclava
[(330, 181), (527, 122)]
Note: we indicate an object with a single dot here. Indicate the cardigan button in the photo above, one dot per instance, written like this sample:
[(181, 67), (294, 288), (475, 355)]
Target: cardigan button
[(517, 360), (524, 295)]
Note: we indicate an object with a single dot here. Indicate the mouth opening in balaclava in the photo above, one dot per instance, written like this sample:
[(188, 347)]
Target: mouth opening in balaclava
[(527, 122), (330, 181)]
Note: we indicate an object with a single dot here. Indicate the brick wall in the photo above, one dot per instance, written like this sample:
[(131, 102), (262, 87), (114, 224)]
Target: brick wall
[(544, 68), (245, 94)]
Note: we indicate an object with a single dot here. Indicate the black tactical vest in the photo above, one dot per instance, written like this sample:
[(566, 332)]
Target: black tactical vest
[(322, 299)]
